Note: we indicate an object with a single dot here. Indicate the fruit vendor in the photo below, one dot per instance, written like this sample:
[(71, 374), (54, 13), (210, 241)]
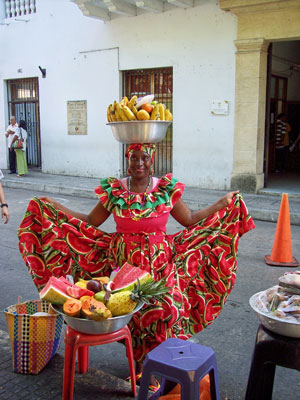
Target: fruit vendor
[(199, 262)]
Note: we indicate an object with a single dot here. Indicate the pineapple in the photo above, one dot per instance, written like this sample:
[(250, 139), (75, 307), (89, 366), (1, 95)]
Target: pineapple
[(124, 302)]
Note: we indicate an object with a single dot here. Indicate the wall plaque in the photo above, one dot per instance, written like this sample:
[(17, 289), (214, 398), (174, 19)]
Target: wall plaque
[(77, 117)]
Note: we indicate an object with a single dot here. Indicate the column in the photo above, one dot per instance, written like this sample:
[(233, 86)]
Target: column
[(250, 104)]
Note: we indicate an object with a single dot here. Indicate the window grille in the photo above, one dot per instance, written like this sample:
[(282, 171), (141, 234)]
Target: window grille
[(158, 81)]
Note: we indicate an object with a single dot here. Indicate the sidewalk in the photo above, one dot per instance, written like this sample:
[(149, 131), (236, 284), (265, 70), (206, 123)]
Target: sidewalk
[(262, 206)]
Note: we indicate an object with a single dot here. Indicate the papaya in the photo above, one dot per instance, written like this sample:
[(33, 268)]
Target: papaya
[(95, 310), (103, 279), (84, 298), (72, 307)]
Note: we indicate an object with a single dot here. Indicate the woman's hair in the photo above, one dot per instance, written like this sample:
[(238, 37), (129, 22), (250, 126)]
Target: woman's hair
[(23, 124)]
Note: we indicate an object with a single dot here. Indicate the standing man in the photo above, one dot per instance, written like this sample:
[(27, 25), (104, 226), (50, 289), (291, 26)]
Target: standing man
[(10, 133)]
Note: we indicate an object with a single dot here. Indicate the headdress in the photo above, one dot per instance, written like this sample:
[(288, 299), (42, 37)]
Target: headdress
[(148, 148)]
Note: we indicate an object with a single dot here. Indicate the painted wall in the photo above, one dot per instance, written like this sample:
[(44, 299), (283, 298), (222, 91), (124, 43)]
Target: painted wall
[(83, 57)]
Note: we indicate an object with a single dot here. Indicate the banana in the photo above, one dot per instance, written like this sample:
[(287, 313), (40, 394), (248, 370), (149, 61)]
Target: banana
[(124, 101), (132, 102), (121, 113), (112, 113), (161, 111), (155, 113), (108, 113), (168, 115), (129, 114)]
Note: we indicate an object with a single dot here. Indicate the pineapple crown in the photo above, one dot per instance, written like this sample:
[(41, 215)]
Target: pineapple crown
[(150, 290)]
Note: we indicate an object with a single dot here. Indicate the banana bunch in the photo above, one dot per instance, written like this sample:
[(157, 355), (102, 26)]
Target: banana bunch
[(142, 109)]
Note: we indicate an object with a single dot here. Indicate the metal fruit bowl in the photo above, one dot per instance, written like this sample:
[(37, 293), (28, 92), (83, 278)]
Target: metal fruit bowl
[(139, 131), (97, 327), (275, 324)]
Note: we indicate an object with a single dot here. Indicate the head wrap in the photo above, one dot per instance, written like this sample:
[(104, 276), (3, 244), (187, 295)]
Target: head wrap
[(148, 148)]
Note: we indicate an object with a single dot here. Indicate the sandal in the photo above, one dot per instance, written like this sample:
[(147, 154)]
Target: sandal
[(138, 377)]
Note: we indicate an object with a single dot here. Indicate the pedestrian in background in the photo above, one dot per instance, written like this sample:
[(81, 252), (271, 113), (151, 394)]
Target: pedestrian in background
[(280, 134), (10, 132), (21, 134), (4, 206)]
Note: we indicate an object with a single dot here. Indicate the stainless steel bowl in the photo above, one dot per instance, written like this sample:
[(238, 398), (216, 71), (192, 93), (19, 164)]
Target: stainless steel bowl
[(274, 324), (139, 131), (97, 327)]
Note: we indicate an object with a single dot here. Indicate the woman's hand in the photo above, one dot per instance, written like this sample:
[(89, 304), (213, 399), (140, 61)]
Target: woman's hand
[(5, 214), (227, 199), (49, 200)]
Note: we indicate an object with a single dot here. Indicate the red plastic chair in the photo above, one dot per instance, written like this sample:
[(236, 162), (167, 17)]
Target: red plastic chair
[(75, 340)]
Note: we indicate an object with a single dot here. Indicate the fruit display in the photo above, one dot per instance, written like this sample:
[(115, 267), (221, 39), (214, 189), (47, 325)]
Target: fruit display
[(98, 299), (138, 109)]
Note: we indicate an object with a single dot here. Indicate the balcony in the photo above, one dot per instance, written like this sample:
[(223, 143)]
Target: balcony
[(110, 9), (19, 8)]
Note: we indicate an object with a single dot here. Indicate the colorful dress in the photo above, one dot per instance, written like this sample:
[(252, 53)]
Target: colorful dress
[(199, 262)]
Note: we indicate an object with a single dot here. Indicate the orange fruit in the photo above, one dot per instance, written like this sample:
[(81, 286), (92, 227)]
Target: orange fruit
[(142, 115), (147, 107)]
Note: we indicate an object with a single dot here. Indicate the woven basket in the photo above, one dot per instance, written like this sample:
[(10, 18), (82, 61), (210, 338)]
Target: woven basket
[(34, 339)]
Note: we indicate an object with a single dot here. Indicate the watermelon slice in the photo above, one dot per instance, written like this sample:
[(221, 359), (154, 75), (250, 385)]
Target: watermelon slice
[(56, 290), (127, 277)]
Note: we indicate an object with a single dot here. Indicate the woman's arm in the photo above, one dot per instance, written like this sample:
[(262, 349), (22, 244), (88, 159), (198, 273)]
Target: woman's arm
[(13, 141), (4, 210), (186, 217), (96, 217)]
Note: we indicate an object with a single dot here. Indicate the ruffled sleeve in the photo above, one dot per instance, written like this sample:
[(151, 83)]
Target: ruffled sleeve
[(162, 198)]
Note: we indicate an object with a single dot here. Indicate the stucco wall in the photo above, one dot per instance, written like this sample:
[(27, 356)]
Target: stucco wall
[(198, 43)]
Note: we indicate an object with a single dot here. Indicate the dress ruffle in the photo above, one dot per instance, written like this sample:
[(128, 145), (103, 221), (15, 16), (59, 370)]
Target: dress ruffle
[(117, 200)]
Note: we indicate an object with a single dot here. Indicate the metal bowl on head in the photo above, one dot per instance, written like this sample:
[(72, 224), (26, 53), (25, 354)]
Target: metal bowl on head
[(275, 324), (139, 131), (97, 327)]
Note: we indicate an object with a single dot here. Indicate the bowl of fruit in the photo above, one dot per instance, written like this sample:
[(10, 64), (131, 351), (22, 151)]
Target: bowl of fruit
[(139, 120), (103, 304)]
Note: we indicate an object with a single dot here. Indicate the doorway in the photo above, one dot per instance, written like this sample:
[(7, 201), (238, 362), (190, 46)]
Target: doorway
[(283, 97), (23, 103)]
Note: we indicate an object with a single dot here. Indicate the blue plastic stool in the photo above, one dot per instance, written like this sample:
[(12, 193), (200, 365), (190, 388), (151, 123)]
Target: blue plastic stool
[(182, 362)]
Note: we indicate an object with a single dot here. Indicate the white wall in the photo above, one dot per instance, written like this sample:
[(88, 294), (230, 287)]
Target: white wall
[(198, 43)]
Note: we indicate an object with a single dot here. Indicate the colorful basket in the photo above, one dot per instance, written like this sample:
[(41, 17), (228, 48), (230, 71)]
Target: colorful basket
[(34, 339)]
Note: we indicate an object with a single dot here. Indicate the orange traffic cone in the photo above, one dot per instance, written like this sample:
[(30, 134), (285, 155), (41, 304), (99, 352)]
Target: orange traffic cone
[(282, 247)]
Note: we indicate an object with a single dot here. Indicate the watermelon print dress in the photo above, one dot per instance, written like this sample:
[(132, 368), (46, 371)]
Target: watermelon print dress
[(199, 261)]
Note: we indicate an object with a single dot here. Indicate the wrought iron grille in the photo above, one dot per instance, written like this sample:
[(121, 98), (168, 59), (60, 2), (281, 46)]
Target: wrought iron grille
[(23, 103), (158, 81)]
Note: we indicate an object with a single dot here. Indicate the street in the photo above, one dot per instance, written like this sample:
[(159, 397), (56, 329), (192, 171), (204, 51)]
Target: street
[(231, 336)]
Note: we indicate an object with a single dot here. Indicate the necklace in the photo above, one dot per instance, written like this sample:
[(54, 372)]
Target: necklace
[(145, 191)]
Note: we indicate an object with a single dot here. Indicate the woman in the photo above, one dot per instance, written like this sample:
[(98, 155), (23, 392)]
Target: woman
[(199, 261), (3, 204), (21, 134)]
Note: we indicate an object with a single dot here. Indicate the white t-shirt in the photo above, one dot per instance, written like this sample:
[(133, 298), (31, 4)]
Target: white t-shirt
[(24, 136), (11, 136), (1, 175)]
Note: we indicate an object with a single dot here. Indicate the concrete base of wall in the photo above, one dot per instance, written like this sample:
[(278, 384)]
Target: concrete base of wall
[(248, 183)]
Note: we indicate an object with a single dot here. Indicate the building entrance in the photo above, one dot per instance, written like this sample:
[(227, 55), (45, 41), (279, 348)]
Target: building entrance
[(23, 103)]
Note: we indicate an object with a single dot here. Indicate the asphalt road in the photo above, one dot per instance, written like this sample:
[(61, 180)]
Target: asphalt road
[(231, 336)]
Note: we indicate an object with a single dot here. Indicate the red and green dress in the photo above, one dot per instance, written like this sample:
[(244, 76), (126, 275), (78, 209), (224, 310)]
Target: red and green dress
[(199, 262)]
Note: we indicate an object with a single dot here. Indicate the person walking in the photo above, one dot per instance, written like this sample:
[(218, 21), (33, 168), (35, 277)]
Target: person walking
[(3, 204), (21, 134), (10, 132)]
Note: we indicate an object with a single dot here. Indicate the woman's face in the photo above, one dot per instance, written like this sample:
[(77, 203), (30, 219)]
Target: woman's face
[(139, 164)]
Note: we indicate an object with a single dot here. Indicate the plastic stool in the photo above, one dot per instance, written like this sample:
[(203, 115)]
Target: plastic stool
[(270, 350), (182, 362), (75, 340)]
